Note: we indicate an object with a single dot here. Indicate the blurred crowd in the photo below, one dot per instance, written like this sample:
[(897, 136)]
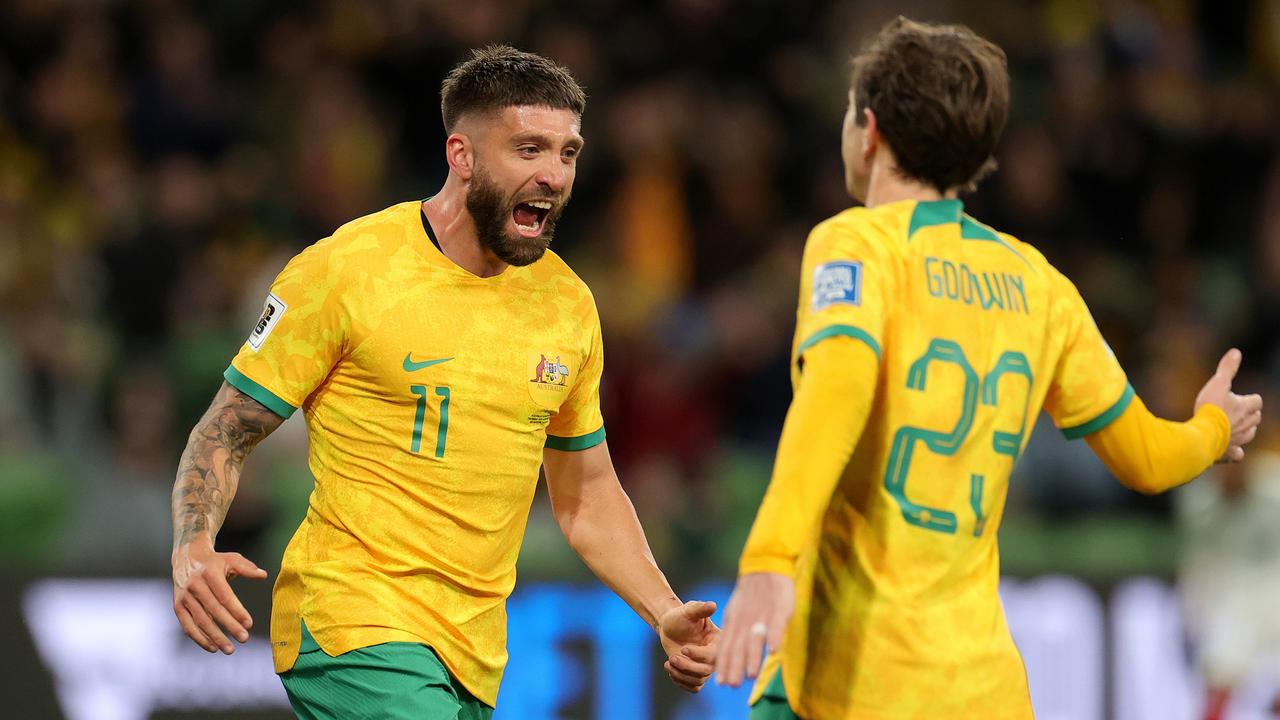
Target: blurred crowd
[(161, 160)]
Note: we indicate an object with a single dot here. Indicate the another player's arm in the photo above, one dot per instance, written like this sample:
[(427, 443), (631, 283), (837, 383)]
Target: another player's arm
[(206, 484), (1152, 455), (826, 418), (600, 523)]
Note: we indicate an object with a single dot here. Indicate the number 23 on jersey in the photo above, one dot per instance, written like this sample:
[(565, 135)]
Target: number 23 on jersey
[(948, 443)]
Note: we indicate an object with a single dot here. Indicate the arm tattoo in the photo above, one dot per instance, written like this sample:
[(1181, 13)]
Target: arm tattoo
[(210, 468)]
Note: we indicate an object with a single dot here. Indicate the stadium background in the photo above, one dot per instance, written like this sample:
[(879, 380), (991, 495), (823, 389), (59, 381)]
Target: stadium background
[(161, 160)]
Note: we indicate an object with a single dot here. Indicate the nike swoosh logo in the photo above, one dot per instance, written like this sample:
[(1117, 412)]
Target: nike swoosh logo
[(411, 366)]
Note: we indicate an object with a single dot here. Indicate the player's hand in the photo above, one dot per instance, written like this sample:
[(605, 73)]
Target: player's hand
[(202, 597), (757, 616), (689, 638), (1243, 411)]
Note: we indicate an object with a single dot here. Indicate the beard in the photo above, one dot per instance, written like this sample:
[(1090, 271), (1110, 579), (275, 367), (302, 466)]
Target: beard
[(491, 213)]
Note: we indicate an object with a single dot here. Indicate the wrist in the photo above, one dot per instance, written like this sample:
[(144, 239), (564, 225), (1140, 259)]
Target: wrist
[(193, 544), (1214, 419), (761, 563), (660, 606)]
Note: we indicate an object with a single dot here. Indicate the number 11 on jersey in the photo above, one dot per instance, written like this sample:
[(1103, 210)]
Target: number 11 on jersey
[(442, 429)]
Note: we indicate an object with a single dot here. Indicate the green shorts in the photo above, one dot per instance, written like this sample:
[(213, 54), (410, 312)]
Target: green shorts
[(396, 681), (773, 705)]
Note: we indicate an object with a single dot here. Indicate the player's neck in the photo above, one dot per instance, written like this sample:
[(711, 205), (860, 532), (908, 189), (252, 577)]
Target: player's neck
[(887, 185), (455, 229)]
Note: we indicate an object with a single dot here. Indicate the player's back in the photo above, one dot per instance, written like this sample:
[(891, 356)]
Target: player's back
[(965, 337), (897, 607)]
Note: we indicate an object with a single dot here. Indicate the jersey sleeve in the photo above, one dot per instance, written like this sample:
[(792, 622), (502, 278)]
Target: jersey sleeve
[(1152, 455), (1089, 389), (823, 426), (578, 424), (844, 288), (302, 333)]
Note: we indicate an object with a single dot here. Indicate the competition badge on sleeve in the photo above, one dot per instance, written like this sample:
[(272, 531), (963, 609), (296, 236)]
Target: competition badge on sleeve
[(837, 282), (272, 310)]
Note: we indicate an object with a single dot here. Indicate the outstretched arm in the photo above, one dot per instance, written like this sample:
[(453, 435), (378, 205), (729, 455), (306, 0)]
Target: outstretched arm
[(1152, 455), (597, 518), (207, 479)]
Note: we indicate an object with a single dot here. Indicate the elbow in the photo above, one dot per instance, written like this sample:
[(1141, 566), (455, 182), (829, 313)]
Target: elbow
[(566, 519), (575, 525), (1145, 486), (1151, 481), (1148, 473), (199, 432)]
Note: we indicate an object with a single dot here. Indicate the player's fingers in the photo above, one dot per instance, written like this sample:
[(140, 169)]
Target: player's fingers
[(1229, 365), (724, 660), (207, 625), (775, 636), (701, 653), (1244, 404), (754, 654), (685, 681), (1246, 436), (1251, 402), (1235, 453), (193, 632), (691, 666), (699, 609), (729, 664), (220, 614), (238, 564), (685, 677), (226, 597), (777, 627)]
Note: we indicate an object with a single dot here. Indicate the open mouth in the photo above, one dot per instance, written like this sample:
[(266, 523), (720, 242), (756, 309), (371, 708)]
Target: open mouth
[(529, 217)]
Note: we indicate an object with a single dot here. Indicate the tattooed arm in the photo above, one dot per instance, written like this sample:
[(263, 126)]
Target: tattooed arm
[(207, 479)]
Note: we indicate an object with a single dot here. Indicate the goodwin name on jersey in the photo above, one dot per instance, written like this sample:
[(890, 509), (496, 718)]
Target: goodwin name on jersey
[(958, 282)]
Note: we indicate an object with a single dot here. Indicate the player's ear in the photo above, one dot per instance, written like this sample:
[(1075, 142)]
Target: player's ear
[(870, 134), (460, 154)]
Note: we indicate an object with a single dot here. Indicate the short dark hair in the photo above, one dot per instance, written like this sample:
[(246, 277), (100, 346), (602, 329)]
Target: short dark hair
[(940, 94), (500, 76)]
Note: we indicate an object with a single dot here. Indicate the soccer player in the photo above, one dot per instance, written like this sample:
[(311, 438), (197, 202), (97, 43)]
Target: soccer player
[(926, 345), (440, 356), (1230, 578)]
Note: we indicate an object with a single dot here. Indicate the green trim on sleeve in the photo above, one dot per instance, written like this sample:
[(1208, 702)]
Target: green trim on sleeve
[(1103, 420), (574, 444), (270, 400), (834, 330)]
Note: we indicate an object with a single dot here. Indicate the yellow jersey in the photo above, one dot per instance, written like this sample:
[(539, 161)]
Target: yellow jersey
[(429, 394), (897, 612)]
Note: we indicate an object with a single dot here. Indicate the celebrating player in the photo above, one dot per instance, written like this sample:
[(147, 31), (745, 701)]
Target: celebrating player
[(926, 344), (440, 356)]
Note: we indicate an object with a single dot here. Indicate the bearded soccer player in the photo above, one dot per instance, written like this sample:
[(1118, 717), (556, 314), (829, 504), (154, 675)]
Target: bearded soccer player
[(926, 345), (440, 355)]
